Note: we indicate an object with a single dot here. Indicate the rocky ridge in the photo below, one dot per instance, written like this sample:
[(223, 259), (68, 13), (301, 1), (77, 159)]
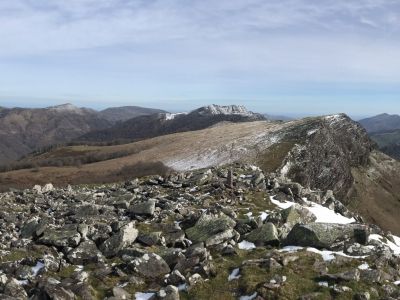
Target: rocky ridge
[(233, 232), (144, 127)]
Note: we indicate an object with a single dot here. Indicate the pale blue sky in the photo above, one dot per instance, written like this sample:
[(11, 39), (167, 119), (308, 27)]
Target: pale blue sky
[(283, 56)]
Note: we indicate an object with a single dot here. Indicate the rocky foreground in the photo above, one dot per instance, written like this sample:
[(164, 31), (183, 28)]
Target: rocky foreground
[(223, 233)]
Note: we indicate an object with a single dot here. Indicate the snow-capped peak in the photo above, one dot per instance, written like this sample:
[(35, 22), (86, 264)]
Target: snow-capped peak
[(214, 109)]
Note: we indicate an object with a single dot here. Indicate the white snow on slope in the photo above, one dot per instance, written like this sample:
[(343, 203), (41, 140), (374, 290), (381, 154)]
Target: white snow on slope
[(283, 205), (245, 245), (251, 297), (330, 255), (169, 116), (326, 254), (395, 247), (143, 296), (326, 215), (36, 269), (323, 214), (234, 275)]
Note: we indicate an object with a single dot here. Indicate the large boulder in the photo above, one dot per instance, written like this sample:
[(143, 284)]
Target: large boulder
[(66, 236), (33, 228), (292, 215), (122, 239), (85, 253), (211, 229), (143, 208), (266, 234), (326, 235), (297, 214), (150, 265)]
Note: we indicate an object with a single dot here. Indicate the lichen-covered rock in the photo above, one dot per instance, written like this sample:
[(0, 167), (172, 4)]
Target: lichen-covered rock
[(325, 235), (122, 239), (85, 253), (266, 234), (209, 228), (33, 228), (66, 236), (143, 208), (150, 266), (297, 214)]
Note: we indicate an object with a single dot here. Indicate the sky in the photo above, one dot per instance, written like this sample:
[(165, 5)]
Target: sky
[(293, 57)]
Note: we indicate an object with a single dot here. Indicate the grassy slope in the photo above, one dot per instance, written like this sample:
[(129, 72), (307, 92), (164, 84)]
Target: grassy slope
[(376, 192)]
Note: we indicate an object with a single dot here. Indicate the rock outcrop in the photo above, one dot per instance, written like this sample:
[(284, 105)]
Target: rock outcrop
[(223, 233)]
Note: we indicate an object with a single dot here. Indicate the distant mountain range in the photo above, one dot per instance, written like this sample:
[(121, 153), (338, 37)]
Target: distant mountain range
[(123, 113), (381, 123), (23, 130), (149, 126), (384, 129)]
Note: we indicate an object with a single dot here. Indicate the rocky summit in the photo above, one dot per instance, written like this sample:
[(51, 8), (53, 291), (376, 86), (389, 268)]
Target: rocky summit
[(230, 232)]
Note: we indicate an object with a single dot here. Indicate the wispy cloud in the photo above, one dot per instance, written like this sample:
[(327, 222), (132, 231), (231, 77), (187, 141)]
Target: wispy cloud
[(185, 47)]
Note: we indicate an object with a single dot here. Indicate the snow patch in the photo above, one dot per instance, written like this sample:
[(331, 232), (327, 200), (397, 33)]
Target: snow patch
[(291, 249), (251, 297), (394, 247), (263, 216), (311, 132), (234, 275), (245, 245), (283, 205), (143, 296), (36, 269), (331, 255), (323, 283), (326, 215), (364, 266), (169, 116), (322, 213)]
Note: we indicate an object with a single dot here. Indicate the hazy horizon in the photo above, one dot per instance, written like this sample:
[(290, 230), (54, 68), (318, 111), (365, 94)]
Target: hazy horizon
[(280, 57)]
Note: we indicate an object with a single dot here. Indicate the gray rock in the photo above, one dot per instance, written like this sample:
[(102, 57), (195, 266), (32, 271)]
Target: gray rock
[(14, 289), (150, 239), (143, 208), (150, 266), (122, 239), (352, 275), (120, 293), (208, 227), (168, 293), (325, 235), (267, 234), (85, 253), (33, 228), (67, 236)]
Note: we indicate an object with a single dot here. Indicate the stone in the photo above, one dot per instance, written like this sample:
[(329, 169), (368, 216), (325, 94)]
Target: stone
[(66, 236), (168, 293), (362, 296), (150, 266), (325, 235), (143, 208), (47, 188), (120, 293), (208, 227), (120, 240), (33, 228), (150, 239), (85, 253), (14, 289), (297, 214), (352, 275), (267, 234)]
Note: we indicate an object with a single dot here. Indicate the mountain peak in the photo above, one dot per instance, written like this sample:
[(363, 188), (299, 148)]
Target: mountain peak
[(214, 109), (64, 107)]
